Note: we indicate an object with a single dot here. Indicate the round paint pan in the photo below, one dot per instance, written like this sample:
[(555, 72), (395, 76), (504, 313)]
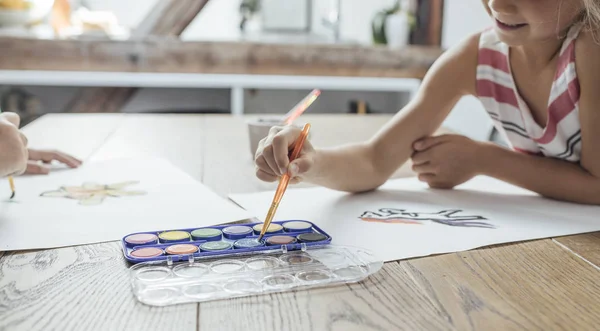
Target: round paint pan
[(190, 270), (279, 281), (215, 246), (280, 240), (248, 243), (273, 228), (311, 237), (351, 273), (208, 234), (241, 286), (296, 259), (236, 232), (262, 263), (159, 295), (330, 258), (152, 274), (201, 291), (146, 252), (314, 276), (227, 266), (297, 226), (181, 249), (174, 236), (141, 239)]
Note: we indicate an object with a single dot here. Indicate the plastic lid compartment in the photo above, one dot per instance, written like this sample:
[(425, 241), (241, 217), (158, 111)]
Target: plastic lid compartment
[(162, 283)]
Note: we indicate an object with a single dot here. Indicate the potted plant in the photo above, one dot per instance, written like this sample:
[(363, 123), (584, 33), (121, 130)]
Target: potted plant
[(392, 26)]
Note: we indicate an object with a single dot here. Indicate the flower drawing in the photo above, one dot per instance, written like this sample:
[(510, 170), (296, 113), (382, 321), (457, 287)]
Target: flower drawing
[(93, 193)]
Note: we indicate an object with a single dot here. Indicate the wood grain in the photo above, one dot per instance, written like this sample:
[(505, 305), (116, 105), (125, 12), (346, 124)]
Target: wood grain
[(585, 245), (389, 300), (78, 288), (527, 286), (163, 54)]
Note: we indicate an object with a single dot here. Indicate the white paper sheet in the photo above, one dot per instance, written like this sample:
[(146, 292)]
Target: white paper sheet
[(515, 214), (173, 200)]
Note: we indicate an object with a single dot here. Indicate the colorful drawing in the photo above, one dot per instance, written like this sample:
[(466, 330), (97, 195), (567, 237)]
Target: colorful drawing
[(92, 193), (447, 217)]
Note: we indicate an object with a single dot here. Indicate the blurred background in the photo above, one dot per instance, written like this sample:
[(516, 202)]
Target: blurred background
[(228, 56)]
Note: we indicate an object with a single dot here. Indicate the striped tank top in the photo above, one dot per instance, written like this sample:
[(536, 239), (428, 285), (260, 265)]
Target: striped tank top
[(496, 89)]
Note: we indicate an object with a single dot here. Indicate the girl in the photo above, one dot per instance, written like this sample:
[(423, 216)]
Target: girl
[(537, 72), (16, 158)]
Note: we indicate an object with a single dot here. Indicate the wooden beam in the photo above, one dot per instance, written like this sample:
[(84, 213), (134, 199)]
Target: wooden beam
[(167, 18), (174, 56)]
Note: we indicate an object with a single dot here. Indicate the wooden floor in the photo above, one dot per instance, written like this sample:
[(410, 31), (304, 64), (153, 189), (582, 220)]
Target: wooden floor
[(549, 284)]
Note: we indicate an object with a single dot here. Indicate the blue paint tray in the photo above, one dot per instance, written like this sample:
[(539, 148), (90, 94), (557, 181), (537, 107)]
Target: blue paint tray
[(160, 246)]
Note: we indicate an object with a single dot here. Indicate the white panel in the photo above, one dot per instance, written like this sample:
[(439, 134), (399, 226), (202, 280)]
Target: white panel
[(288, 14)]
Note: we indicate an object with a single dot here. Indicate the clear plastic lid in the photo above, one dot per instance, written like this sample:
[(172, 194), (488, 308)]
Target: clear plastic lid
[(162, 283)]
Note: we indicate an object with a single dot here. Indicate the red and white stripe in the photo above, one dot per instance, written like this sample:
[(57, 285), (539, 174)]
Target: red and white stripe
[(496, 89)]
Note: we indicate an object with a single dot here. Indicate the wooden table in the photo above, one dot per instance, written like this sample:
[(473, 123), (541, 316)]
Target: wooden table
[(538, 285)]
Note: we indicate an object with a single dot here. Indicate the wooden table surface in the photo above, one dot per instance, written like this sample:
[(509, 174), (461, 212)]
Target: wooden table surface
[(549, 284)]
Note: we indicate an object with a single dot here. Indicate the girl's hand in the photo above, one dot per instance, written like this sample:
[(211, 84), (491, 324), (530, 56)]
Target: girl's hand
[(272, 155), (38, 160), (13, 145), (446, 161)]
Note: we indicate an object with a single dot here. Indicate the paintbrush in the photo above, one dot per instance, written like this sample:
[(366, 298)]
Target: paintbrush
[(284, 181), (299, 108)]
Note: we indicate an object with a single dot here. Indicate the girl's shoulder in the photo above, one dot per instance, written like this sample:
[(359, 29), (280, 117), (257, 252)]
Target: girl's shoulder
[(587, 67), (587, 49), (587, 59)]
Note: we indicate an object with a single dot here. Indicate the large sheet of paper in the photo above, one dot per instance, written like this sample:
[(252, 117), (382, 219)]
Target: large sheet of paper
[(143, 195), (405, 219)]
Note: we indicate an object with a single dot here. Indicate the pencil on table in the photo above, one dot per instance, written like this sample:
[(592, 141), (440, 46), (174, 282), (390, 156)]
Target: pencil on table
[(12, 186)]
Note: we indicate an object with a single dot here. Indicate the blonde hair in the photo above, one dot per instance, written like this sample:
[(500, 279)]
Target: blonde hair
[(591, 15)]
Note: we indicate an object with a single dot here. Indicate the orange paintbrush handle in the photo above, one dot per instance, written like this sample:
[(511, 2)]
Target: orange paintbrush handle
[(284, 181), (301, 107), (300, 142)]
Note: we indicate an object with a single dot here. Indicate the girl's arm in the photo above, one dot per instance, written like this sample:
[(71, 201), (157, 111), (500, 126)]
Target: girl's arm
[(366, 166), (556, 178)]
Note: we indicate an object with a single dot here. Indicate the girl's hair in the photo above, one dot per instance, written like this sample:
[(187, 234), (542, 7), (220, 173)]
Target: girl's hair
[(591, 15)]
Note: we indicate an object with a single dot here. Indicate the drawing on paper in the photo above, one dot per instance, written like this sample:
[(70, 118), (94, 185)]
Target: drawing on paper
[(93, 193), (453, 217)]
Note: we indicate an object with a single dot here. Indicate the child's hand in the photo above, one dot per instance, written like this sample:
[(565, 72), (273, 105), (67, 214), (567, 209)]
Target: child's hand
[(446, 161), (13, 145), (272, 155), (39, 158)]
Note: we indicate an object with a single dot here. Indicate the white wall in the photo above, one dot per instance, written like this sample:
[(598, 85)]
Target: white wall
[(219, 20), (461, 19), (128, 12)]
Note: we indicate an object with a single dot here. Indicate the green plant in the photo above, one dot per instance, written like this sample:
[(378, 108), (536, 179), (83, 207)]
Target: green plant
[(378, 22)]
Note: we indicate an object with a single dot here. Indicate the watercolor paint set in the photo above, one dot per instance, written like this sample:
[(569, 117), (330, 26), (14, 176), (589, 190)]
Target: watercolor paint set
[(228, 261), (180, 244), (208, 278)]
